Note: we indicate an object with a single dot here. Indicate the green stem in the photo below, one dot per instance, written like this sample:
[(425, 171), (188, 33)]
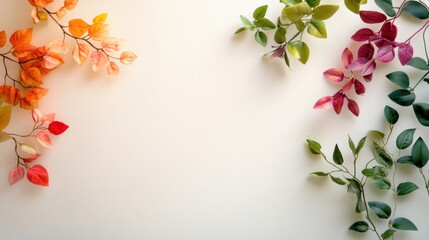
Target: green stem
[(425, 180), (421, 79)]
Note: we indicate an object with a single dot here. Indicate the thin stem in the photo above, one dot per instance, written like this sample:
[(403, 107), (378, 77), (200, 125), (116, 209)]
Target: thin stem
[(425, 180), (421, 79), (422, 28), (367, 214)]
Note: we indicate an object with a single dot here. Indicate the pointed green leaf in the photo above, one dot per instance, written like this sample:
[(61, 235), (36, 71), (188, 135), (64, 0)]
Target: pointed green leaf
[(337, 156), (380, 209), (381, 156), (242, 29), (356, 188), (402, 223), (313, 3), (422, 113), (352, 6), (297, 11), (416, 9), (336, 180), (388, 233), (391, 115), (406, 188), (5, 114), (286, 57), (403, 97), (360, 145), (314, 146), (377, 134), (406, 160), (317, 28), (247, 24), (359, 226), (352, 145), (386, 6), (300, 25), (419, 63), (382, 184), (260, 12), (324, 12), (405, 138), (261, 38), (399, 78), (299, 50), (420, 153), (376, 172), (320, 174), (265, 24)]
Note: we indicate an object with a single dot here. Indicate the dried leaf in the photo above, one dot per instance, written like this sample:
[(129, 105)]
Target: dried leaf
[(31, 77), (56, 46), (98, 60), (70, 4), (31, 99), (40, 3), (61, 13), (78, 27), (51, 61), (21, 51), (10, 94), (112, 69), (5, 114), (80, 53), (3, 38), (111, 44), (21, 37)]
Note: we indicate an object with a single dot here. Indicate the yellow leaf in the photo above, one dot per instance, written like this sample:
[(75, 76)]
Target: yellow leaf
[(100, 18), (98, 31), (78, 27), (4, 136), (5, 113)]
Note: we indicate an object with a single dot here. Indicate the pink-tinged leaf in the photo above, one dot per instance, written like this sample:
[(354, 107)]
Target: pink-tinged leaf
[(363, 35), (338, 103), (405, 53), (44, 139), (366, 51), (98, 60), (38, 175), (359, 87), (353, 107), (51, 61), (80, 53), (111, 44), (16, 174), (127, 57), (36, 114), (347, 58), (372, 17), (278, 52), (368, 68), (27, 148), (112, 69), (358, 64), (31, 158), (323, 103), (389, 31), (57, 46), (48, 118), (334, 74), (348, 85), (368, 78), (35, 15), (386, 53)]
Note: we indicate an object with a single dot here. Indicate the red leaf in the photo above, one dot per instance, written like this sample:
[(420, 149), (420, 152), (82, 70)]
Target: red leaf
[(372, 17), (347, 58), (366, 51), (359, 88), (338, 103), (334, 74), (368, 68), (385, 54), (389, 31), (31, 158), (363, 35), (348, 85), (405, 53), (323, 103), (38, 175), (16, 174), (57, 127), (358, 64), (353, 107), (368, 78)]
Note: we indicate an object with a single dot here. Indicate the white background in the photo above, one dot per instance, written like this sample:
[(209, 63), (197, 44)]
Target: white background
[(201, 138)]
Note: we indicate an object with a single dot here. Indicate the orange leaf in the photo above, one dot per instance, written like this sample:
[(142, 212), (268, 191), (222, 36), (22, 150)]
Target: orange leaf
[(57, 46), (98, 31), (70, 4), (40, 3), (31, 99), (112, 69), (61, 13), (38, 175), (78, 27), (31, 77), (111, 44), (44, 139), (21, 51), (100, 18), (21, 37), (48, 118), (10, 94), (80, 53), (128, 57), (52, 61), (98, 59), (16, 174), (3, 38)]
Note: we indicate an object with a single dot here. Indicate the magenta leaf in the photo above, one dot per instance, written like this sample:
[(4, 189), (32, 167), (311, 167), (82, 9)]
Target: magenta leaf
[(405, 53), (323, 103), (372, 17), (363, 35), (386, 54), (366, 51), (368, 78), (359, 87), (334, 74), (347, 58), (389, 31), (338, 103), (353, 107), (348, 85), (368, 68), (278, 52), (358, 64)]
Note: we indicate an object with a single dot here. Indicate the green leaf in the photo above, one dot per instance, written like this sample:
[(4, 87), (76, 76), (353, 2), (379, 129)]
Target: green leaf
[(405, 138), (391, 115), (265, 24), (376, 172), (402, 223), (386, 6), (399, 78), (317, 28), (420, 153), (360, 145), (381, 155), (337, 156), (338, 181), (291, 2), (416, 9), (5, 114), (355, 187), (388, 233), (261, 38), (324, 12), (299, 50), (313, 3), (352, 6), (382, 184), (352, 145), (280, 35), (260, 12), (247, 24), (296, 12), (242, 29), (406, 188), (418, 63), (300, 25), (422, 113), (320, 174), (286, 57), (377, 134), (314, 147), (406, 160), (403, 97), (380, 209), (359, 226)]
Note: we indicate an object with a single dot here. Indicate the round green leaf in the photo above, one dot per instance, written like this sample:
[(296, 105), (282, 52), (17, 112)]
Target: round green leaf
[(420, 153), (260, 12), (405, 138), (380, 209), (419, 63), (261, 38), (280, 35), (406, 160), (324, 12), (422, 113), (391, 115), (403, 97), (317, 28), (382, 184), (406, 188), (402, 223), (376, 172), (399, 78), (416, 9), (352, 6), (386, 6), (359, 226), (299, 50)]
